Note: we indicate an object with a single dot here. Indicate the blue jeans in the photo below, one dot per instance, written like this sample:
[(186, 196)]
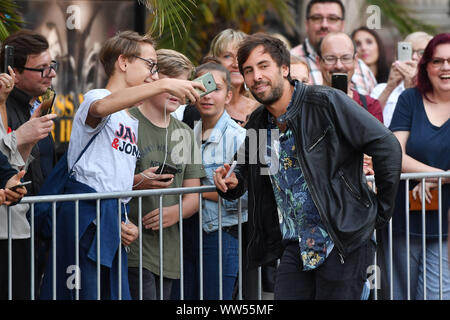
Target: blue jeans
[(416, 267), (190, 261), (230, 262)]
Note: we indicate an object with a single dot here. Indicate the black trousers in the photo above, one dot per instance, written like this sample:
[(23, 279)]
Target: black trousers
[(21, 273), (330, 281)]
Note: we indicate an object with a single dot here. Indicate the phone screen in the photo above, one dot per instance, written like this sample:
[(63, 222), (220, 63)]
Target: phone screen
[(48, 98)]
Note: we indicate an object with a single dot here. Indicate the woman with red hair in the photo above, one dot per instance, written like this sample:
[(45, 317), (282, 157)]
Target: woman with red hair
[(422, 126)]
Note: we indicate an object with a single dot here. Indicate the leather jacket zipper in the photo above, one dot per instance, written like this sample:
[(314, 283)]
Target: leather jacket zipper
[(319, 139), (352, 191)]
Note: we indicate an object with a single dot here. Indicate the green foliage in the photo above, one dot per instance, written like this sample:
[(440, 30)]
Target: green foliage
[(10, 19), (401, 18), (188, 25)]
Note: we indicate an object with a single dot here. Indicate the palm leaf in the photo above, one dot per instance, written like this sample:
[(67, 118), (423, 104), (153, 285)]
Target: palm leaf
[(401, 17), (10, 19), (172, 20), (170, 14)]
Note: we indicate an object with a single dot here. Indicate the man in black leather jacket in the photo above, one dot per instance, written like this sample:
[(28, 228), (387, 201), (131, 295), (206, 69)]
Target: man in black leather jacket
[(322, 226)]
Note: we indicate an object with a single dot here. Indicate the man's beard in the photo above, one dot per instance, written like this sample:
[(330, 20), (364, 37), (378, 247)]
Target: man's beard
[(274, 95)]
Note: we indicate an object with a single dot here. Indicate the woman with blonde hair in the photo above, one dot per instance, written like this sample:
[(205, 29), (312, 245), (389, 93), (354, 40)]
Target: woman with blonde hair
[(224, 47)]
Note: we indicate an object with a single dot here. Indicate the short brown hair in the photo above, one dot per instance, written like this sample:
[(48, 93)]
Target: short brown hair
[(25, 42), (124, 43), (273, 46), (173, 63)]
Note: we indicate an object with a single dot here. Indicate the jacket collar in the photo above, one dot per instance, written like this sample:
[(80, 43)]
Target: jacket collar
[(22, 99), (295, 104)]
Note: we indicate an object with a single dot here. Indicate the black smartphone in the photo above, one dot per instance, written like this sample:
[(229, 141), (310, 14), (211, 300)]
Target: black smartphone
[(48, 98), (9, 58), (20, 185), (166, 169), (340, 81)]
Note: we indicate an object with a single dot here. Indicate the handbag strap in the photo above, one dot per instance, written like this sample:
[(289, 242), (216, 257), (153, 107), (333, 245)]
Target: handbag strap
[(87, 146)]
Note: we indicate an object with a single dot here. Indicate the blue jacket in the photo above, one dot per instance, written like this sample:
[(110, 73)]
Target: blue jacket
[(223, 142), (65, 248)]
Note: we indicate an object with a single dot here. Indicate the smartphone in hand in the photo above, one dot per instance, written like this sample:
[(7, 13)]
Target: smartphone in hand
[(9, 58), (404, 51), (20, 185), (340, 81), (166, 169), (48, 98), (208, 82)]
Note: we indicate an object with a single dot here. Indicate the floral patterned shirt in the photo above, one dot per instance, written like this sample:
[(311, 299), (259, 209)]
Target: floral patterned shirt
[(298, 215)]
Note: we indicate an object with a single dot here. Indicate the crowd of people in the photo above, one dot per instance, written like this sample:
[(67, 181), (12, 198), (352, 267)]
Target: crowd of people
[(326, 113)]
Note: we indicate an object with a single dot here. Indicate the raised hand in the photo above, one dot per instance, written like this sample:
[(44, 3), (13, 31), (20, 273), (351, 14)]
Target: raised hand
[(222, 183)]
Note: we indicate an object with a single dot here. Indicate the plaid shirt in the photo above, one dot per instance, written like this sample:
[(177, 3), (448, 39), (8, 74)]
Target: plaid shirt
[(363, 79)]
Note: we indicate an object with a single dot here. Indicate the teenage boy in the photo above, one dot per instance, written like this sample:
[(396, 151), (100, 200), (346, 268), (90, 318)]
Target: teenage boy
[(159, 143), (130, 63)]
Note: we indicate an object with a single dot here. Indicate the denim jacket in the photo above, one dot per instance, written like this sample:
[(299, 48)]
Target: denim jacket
[(220, 148)]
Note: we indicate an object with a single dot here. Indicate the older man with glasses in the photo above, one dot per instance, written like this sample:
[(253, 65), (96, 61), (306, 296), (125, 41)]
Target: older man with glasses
[(323, 17), (337, 54)]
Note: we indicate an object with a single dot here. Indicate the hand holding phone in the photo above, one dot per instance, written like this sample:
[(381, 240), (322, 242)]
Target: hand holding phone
[(48, 98), (166, 169), (233, 165), (20, 185), (9, 58), (404, 51), (208, 82)]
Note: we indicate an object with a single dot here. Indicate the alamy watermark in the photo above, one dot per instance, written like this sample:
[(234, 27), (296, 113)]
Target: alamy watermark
[(374, 19), (74, 279), (74, 17)]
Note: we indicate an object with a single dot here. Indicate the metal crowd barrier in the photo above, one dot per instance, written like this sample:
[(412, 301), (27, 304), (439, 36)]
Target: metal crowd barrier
[(180, 191), (407, 177)]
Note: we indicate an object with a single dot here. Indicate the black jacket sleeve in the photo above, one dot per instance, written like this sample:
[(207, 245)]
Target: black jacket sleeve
[(6, 171), (367, 134)]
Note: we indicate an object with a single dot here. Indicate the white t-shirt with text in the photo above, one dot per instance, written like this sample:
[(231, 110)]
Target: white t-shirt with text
[(108, 164)]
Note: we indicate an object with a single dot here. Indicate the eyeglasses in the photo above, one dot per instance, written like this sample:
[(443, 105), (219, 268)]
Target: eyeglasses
[(46, 71), (419, 52), (331, 60), (152, 66), (319, 19), (439, 62)]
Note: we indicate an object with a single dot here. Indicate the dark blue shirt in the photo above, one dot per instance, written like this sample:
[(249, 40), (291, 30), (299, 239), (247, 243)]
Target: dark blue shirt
[(428, 144)]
